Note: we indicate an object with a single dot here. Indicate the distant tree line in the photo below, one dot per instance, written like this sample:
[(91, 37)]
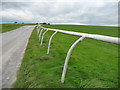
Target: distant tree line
[(34, 23), (44, 23), (19, 23)]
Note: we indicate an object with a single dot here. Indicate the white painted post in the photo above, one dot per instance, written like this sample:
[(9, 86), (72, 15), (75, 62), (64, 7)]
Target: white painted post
[(38, 29), (40, 33), (68, 56), (50, 42), (37, 26), (43, 36)]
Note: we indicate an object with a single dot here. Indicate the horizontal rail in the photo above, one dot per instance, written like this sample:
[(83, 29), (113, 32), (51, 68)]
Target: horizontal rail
[(92, 36)]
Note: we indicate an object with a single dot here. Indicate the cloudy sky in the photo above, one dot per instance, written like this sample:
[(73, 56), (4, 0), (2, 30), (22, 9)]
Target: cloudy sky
[(96, 12)]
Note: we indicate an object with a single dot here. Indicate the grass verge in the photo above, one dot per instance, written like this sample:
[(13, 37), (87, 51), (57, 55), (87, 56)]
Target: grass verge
[(93, 63), (9, 27)]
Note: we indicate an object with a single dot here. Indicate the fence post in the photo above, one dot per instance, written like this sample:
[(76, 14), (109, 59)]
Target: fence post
[(40, 33), (43, 36), (38, 29), (50, 42), (68, 56)]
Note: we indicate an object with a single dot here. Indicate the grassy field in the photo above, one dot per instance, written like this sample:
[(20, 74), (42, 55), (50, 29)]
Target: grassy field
[(102, 30), (9, 27), (93, 63), (0, 28)]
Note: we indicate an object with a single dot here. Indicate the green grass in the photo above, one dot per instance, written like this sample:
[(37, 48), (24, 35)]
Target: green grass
[(93, 63), (9, 27), (0, 28), (103, 30)]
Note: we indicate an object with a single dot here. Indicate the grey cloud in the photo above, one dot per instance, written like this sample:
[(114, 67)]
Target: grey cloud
[(63, 12), (14, 5)]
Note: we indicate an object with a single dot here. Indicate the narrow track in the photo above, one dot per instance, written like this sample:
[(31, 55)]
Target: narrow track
[(13, 45)]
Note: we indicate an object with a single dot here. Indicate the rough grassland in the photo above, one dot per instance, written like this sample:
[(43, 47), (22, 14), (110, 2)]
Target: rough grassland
[(93, 63), (0, 28), (9, 27)]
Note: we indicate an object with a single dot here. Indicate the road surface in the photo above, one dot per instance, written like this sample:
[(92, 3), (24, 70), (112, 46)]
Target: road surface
[(13, 46)]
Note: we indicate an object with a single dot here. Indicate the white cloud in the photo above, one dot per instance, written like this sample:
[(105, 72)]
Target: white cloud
[(61, 11)]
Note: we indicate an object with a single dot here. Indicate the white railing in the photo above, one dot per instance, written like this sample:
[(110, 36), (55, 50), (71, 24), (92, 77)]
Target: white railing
[(82, 36)]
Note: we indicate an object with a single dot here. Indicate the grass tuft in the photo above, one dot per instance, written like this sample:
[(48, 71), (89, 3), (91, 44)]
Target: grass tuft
[(44, 58)]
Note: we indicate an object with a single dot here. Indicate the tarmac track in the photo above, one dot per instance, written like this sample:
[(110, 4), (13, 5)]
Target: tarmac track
[(12, 46)]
